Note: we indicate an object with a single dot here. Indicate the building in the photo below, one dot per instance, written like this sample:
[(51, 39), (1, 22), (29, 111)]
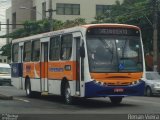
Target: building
[(15, 16), (8, 21), (22, 10), (19, 16), (71, 9)]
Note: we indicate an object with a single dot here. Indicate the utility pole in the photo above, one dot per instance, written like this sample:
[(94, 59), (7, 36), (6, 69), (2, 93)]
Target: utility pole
[(50, 10), (155, 35)]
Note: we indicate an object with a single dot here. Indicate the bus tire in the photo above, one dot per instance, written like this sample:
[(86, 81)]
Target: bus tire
[(116, 100), (67, 94), (29, 92)]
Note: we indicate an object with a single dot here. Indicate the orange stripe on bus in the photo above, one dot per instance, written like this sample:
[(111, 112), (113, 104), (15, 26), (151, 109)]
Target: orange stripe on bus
[(50, 70), (116, 77)]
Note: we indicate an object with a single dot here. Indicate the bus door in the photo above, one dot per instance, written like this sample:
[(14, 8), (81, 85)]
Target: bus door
[(79, 67), (44, 65), (21, 64), (17, 65)]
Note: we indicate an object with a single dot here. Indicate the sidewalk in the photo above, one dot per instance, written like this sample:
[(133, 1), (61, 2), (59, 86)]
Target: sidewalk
[(5, 96)]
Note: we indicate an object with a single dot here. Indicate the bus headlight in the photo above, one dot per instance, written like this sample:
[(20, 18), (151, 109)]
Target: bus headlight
[(100, 83), (136, 82)]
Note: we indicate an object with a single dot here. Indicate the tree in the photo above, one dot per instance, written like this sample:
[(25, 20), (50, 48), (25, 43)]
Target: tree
[(134, 12), (6, 50), (36, 27)]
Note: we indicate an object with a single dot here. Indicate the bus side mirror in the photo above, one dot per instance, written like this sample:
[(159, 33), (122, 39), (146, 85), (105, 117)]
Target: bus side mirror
[(82, 51)]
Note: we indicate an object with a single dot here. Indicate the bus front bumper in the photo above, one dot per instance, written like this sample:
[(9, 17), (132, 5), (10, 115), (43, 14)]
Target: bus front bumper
[(93, 89)]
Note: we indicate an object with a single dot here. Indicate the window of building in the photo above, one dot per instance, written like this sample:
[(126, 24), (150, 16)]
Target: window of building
[(66, 47), (5, 60), (15, 50), (14, 20), (7, 26), (33, 13), (36, 50), (43, 10), (0, 60), (102, 9), (55, 48), (27, 52), (68, 9)]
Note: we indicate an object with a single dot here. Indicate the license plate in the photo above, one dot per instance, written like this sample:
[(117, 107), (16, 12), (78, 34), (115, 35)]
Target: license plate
[(118, 90)]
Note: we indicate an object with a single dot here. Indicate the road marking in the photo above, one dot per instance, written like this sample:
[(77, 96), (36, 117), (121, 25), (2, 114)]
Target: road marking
[(21, 100)]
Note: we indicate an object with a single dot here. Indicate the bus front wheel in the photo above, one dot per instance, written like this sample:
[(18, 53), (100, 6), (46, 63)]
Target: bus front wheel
[(67, 94), (116, 100)]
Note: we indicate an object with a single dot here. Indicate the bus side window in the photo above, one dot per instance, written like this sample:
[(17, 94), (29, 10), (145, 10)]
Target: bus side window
[(54, 48), (66, 47), (15, 53), (27, 51), (36, 50)]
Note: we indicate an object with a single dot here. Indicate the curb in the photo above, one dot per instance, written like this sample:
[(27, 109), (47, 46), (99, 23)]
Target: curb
[(5, 97)]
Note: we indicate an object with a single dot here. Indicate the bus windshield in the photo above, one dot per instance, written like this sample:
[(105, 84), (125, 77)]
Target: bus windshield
[(114, 53)]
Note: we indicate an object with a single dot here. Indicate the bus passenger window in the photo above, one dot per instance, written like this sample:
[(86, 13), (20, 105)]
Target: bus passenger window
[(66, 47), (54, 48), (27, 52), (36, 50), (15, 53)]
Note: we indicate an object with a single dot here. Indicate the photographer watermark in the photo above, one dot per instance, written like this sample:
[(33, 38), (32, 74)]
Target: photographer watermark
[(143, 116), (9, 117)]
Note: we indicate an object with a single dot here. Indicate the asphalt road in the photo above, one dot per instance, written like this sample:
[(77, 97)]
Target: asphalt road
[(55, 105)]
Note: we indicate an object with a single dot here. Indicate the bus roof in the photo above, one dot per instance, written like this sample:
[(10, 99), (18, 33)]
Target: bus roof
[(110, 25), (76, 28)]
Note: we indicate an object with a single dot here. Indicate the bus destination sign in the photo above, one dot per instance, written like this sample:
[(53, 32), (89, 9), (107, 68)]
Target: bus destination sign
[(113, 31)]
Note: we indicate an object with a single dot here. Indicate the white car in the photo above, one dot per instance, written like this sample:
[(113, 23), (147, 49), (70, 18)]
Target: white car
[(152, 83), (5, 74)]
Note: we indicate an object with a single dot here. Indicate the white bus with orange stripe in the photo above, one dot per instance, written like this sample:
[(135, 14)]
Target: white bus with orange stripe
[(95, 60)]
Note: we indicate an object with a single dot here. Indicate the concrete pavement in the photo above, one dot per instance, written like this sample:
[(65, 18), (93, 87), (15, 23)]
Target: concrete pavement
[(5, 96)]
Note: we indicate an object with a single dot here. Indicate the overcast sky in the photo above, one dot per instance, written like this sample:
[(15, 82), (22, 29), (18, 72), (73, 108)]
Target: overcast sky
[(4, 4)]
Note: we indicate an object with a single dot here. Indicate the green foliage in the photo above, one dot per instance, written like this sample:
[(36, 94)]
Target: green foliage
[(36, 27), (41, 26), (6, 50), (127, 12), (134, 12)]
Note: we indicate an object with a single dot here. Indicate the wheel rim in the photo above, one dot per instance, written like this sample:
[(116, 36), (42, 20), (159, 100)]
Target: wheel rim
[(68, 95)]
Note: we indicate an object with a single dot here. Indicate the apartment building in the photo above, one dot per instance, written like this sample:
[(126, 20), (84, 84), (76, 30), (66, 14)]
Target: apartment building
[(71, 9), (15, 15), (22, 10)]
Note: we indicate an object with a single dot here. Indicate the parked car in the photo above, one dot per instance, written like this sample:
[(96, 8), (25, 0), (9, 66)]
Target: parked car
[(5, 74), (152, 83)]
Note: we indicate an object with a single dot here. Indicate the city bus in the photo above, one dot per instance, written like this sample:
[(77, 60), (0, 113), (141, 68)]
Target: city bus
[(94, 60)]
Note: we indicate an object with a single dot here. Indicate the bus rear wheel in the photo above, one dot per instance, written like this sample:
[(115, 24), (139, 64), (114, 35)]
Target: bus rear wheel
[(29, 93), (116, 100)]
